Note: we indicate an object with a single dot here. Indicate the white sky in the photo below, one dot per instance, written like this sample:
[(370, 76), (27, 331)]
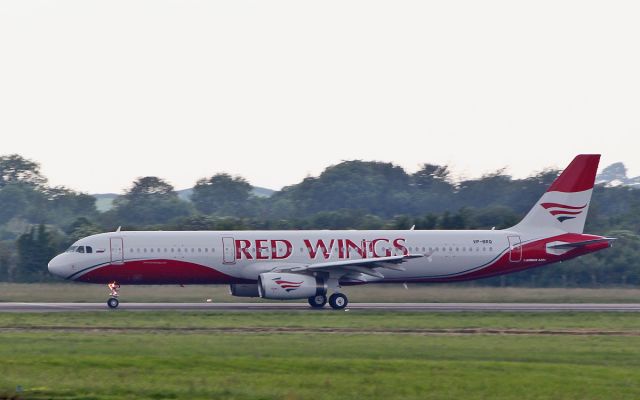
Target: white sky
[(102, 92)]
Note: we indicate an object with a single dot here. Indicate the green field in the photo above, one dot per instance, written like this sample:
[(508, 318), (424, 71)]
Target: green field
[(320, 355), (81, 292)]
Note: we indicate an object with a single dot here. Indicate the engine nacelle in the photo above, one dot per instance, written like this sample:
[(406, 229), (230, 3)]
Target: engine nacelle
[(244, 289), (273, 285)]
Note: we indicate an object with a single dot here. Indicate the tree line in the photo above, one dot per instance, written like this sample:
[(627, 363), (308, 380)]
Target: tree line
[(38, 221)]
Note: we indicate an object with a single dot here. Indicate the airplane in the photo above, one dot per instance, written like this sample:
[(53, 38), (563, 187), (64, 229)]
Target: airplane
[(285, 265)]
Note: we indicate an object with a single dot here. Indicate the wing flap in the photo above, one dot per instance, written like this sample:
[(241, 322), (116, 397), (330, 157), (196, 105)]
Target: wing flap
[(366, 264)]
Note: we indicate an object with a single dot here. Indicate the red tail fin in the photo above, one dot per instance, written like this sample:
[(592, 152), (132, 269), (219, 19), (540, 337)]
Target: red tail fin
[(564, 207), (578, 176)]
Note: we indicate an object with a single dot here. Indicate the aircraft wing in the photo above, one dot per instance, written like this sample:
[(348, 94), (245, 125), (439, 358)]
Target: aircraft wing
[(365, 266)]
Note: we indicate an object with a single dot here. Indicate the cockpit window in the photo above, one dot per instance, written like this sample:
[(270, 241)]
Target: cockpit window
[(80, 249)]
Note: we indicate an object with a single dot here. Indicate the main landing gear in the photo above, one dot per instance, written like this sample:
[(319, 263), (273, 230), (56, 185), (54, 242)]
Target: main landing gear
[(337, 301), (318, 301), (113, 301)]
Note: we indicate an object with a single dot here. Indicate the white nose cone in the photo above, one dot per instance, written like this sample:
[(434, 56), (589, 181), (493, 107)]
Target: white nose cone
[(56, 266)]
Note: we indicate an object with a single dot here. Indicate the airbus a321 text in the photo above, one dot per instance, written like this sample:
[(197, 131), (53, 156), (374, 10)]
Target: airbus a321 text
[(283, 265)]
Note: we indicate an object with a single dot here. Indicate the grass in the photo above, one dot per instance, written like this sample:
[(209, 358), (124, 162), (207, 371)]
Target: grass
[(90, 363), (79, 292), (359, 319)]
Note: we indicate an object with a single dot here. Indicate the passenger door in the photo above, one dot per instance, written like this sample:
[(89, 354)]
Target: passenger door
[(515, 249), (228, 250), (117, 251)]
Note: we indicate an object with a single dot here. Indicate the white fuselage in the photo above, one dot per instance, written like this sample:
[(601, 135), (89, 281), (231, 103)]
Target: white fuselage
[(243, 255)]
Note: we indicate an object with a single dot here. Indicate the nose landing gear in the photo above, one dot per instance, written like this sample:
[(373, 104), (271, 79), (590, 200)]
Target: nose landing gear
[(113, 301)]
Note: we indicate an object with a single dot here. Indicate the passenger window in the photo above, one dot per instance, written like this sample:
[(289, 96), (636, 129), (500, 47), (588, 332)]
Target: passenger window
[(89, 249)]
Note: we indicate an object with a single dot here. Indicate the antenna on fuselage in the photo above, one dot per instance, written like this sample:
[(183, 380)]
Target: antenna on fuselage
[(118, 230), (412, 227)]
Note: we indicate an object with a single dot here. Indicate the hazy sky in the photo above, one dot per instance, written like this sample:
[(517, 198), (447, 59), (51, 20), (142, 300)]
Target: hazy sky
[(102, 92)]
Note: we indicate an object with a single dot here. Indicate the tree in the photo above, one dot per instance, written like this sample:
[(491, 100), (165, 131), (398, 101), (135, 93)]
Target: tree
[(221, 194), (6, 260), (432, 175), (14, 202), (433, 189), (150, 200), (81, 227), (16, 169), (65, 205), (35, 249), (149, 186), (377, 188)]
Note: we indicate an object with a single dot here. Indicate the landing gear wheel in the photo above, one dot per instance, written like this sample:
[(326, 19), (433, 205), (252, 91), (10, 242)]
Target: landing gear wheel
[(318, 301), (338, 301), (113, 302)]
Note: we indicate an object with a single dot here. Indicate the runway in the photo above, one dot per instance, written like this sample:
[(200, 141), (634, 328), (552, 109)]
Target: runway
[(288, 307)]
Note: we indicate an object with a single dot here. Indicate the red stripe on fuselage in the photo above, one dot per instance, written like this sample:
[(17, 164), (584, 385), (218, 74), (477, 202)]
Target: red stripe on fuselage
[(534, 255), (157, 272)]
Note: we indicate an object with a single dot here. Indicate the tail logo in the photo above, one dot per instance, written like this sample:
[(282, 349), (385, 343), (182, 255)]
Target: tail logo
[(563, 212), (287, 285)]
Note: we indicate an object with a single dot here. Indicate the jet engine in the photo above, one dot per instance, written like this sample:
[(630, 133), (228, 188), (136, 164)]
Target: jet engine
[(273, 285)]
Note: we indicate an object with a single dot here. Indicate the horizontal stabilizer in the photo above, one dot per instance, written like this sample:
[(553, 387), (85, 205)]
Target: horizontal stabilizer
[(574, 245)]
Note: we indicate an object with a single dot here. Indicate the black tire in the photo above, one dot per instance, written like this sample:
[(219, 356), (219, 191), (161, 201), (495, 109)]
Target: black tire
[(338, 301), (318, 301), (113, 302)]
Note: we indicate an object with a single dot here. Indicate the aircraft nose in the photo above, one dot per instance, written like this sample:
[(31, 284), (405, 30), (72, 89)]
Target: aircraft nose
[(56, 266)]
